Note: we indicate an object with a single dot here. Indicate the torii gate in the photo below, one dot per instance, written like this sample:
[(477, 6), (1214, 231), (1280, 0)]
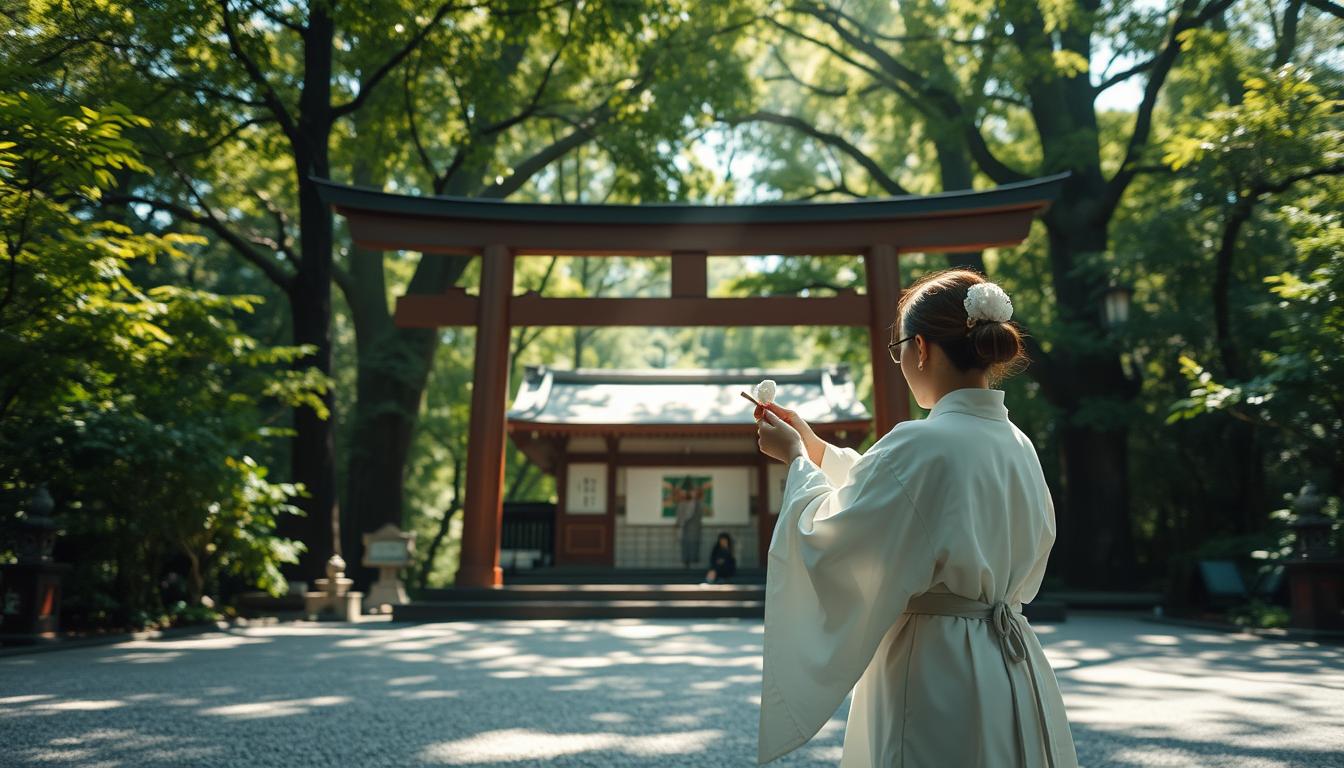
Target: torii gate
[(879, 229)]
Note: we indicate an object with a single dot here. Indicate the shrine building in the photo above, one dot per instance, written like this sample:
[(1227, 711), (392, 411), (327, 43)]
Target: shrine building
[(622, 443)]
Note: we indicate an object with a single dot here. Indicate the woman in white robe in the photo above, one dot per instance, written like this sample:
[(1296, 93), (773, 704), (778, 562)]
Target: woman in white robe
[(900, 573)]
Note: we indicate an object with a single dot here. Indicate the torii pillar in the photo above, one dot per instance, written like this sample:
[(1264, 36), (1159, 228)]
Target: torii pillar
[(479, 562), (891, 395)]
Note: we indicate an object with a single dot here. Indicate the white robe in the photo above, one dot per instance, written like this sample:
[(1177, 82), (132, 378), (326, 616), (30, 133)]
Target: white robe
[(955, 502)]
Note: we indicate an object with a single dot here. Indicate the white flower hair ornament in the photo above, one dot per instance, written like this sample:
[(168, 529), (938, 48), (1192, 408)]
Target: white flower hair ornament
[(987, 302)]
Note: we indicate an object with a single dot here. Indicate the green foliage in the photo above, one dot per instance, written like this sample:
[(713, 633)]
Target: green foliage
[(1283, 126), (1258, 614), (1284, 136), (134, 399), (1287, 394)]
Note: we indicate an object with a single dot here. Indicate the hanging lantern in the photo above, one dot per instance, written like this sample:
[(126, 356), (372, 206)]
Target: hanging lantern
[(1115, 305)]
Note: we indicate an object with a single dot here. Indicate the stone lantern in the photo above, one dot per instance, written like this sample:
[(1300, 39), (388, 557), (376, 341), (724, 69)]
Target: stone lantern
[(1315, 573), (1312, 528), (30, 589), (35, 533), (389, 550), (333, 597)]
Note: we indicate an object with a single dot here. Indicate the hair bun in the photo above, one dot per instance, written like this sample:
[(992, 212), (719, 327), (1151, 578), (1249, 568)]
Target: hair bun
[(996, 342)]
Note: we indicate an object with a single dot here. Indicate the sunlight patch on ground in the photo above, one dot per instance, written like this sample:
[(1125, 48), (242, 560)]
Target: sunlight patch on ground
[(412, 680), (519, 745), (80, 705), (283, 708), (28, 699), (610, 717), (430, 695), (1158, 639), (113, 747), (415, 658), (214, 641), (142, 658)]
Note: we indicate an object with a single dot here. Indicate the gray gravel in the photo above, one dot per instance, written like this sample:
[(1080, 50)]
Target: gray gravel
[(613, 693)]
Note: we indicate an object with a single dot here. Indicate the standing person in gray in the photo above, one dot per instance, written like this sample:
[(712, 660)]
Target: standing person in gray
[(690, 512)]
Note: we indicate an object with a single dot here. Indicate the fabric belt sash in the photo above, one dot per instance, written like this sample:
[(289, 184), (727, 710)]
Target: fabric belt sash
[(1007, 624)]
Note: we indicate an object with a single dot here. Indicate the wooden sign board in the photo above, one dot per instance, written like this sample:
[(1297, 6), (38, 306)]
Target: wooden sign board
[(388, 547), (387, 553)]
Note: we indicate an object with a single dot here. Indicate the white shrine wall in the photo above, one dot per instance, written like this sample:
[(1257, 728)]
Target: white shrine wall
[(644, 539)]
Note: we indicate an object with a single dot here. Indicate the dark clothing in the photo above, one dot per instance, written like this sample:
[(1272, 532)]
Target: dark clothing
[(723, 562)]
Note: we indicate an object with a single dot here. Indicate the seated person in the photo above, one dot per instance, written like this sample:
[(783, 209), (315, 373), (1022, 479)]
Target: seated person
[(722, 563)]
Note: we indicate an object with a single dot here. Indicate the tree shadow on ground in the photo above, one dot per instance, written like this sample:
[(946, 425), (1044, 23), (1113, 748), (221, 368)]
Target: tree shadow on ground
[(489, 693), (615, 693)]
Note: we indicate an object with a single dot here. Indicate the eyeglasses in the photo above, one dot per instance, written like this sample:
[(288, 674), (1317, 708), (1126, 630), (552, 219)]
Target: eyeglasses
[(895, 345)]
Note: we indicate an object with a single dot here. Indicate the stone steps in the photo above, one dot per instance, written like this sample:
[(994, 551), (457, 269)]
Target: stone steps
[(601, 575), (611, 601), (594, 593), (578, 609), (586, 601)]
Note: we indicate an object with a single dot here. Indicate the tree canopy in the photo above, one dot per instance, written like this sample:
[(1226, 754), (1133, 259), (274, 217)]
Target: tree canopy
[(175, 297)]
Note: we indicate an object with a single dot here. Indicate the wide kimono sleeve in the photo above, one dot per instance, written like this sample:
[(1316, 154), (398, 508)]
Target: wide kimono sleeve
[(843, 564), (836, 463)]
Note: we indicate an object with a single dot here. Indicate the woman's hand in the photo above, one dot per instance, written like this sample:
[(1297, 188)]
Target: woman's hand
[(813, 445), (777, 439)]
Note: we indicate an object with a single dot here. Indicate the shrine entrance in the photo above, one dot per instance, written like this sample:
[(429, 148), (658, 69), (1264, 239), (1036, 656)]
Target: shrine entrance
[(499, 232)]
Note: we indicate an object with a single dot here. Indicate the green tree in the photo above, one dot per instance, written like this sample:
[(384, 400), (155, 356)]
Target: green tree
[(135, 399), (574, 102), (270, 79), (1282, 139), (254, 100)]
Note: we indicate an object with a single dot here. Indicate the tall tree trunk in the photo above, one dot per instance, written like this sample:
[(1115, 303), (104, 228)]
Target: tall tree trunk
[(393, 371), (1087, 381), (393, 368), (1246, 493), (313, 454), (394, 363), (1095, 542), (1095, 539), (312, 449), (954, 168)]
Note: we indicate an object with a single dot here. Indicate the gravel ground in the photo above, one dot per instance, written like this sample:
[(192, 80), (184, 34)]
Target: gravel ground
[(613, 693)]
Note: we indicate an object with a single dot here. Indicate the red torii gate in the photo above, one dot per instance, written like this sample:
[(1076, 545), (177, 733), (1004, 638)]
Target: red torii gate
[(499, 231)]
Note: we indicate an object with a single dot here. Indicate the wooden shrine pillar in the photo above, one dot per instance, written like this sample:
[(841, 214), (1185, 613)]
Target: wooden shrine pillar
[(765, 514), (561, 500), (483, 508), (891, 397), (613, 446)]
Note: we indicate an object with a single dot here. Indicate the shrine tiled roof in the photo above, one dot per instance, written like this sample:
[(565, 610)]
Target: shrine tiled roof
[(691, 399)]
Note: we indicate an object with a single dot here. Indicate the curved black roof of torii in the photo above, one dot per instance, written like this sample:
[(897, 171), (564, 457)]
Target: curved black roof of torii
[(964, 220), (1017, 195)]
